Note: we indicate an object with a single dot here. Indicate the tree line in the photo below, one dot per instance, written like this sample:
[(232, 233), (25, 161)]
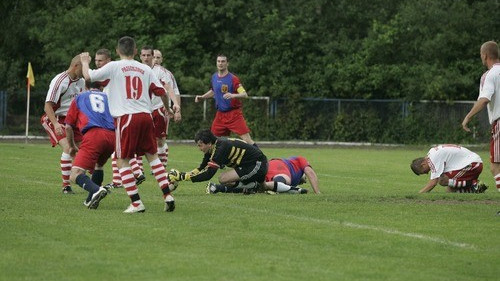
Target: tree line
[(399, 49)]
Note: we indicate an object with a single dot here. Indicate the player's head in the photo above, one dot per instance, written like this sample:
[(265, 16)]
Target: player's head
[(419, 166), (102, 57), (204, 138), (489, 50), (157, 57), (92, 85), (147, 55), (75, 67), (222, 62), (126, 47)]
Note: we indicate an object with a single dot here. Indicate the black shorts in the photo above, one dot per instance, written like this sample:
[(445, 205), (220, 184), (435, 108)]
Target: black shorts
[(253, 173)]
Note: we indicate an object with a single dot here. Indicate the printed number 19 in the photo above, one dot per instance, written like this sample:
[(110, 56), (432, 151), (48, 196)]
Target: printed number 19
[(134, 87)]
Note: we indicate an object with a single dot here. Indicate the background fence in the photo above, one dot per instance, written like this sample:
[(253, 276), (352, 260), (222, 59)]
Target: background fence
[(319, 119)]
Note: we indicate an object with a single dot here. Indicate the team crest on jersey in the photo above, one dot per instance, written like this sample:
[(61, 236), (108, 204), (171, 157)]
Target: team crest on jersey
[(224, 88)]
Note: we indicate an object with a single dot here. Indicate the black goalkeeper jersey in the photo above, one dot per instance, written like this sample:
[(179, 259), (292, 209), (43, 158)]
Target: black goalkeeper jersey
[(228, 152)]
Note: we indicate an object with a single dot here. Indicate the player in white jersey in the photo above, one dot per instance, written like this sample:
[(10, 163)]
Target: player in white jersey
[(489, 96), (131, 85), (160, 113), (452, 166), (62, 90)]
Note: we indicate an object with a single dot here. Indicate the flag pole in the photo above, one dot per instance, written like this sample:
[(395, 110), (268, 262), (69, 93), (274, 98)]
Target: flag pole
[(27, 111), (30, 81)]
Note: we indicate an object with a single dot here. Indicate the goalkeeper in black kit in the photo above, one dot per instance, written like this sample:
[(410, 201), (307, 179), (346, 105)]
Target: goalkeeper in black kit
[(249, 163)]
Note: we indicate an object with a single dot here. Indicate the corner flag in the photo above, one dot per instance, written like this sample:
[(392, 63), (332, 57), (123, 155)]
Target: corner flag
[(30, 76)]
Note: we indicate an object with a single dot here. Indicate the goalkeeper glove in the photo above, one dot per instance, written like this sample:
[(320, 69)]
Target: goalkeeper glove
[(175, 175)]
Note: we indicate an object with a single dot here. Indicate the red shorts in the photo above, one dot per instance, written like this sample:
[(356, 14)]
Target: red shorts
[(49, 128), (276, 167), (160, 120), (135, 134), (231, 121), (470, 172), (495, 142), (97, 146)]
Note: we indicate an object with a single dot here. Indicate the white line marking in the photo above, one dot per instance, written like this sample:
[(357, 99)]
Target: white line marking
[(362, 226)]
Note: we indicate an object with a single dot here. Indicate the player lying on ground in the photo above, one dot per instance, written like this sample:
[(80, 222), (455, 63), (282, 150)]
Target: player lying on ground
[(283, 176), (452, 166)]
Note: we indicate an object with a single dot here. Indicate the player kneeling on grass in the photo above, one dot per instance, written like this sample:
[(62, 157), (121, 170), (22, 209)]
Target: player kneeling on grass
[(283, 176), (89, 112), (452, 166), (249, 163)]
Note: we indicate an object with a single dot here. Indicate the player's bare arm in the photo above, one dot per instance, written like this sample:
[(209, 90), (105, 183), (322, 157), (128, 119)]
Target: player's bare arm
[(207, 95), (479, 105), (429, 186), (49, 110), (313, 179), (85, 59), (70, 137), (242, 95)]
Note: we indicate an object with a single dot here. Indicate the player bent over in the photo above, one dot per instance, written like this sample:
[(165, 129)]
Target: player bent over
[(283, 176), (89, 113), (452, 166), (249, 163)]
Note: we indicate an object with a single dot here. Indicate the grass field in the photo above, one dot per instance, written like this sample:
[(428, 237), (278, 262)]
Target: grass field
[(369, 223)]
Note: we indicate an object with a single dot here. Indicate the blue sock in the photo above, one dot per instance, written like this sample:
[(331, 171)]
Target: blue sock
[(98, 177), (84, 181)]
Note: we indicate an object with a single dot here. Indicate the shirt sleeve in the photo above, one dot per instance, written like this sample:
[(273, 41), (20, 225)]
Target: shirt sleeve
[(72, 114)]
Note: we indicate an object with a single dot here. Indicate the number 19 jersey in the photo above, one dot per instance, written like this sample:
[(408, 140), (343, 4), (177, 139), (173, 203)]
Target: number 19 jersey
[(130, 86)]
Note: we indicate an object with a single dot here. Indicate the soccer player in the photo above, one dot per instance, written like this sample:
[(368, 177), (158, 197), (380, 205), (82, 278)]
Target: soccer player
[(167, 77), (89, 113), (452, 166), (157, 60), (249, 163), (62, 90), (227, 90), (160, 116), (489, 95), (102, 57), (283, 176), (131, 85)]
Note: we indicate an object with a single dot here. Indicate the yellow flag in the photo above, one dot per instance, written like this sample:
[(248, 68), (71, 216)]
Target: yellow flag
[(30, 76)]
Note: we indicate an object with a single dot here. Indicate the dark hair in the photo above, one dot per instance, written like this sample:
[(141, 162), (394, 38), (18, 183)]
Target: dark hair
[(126, 46), (92, 85), (104, 52), (224, 56), (205, 136), (416, 165), (147, 47)]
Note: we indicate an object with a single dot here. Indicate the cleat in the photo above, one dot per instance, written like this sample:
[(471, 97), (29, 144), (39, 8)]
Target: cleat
[(480, 187), (86, 203), (169, 203), (67, 190), (298, 190), (133, 209), (270, 192), (97, 197), (140, 179), (211, 188)]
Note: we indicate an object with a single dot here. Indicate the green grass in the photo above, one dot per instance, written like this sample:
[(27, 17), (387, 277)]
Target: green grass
[(369, 223)]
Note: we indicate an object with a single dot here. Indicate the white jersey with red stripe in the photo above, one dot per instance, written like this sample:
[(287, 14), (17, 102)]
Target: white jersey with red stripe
[(130, 86), (490, 88), (165, 77), (449, 157), (62, 91)]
